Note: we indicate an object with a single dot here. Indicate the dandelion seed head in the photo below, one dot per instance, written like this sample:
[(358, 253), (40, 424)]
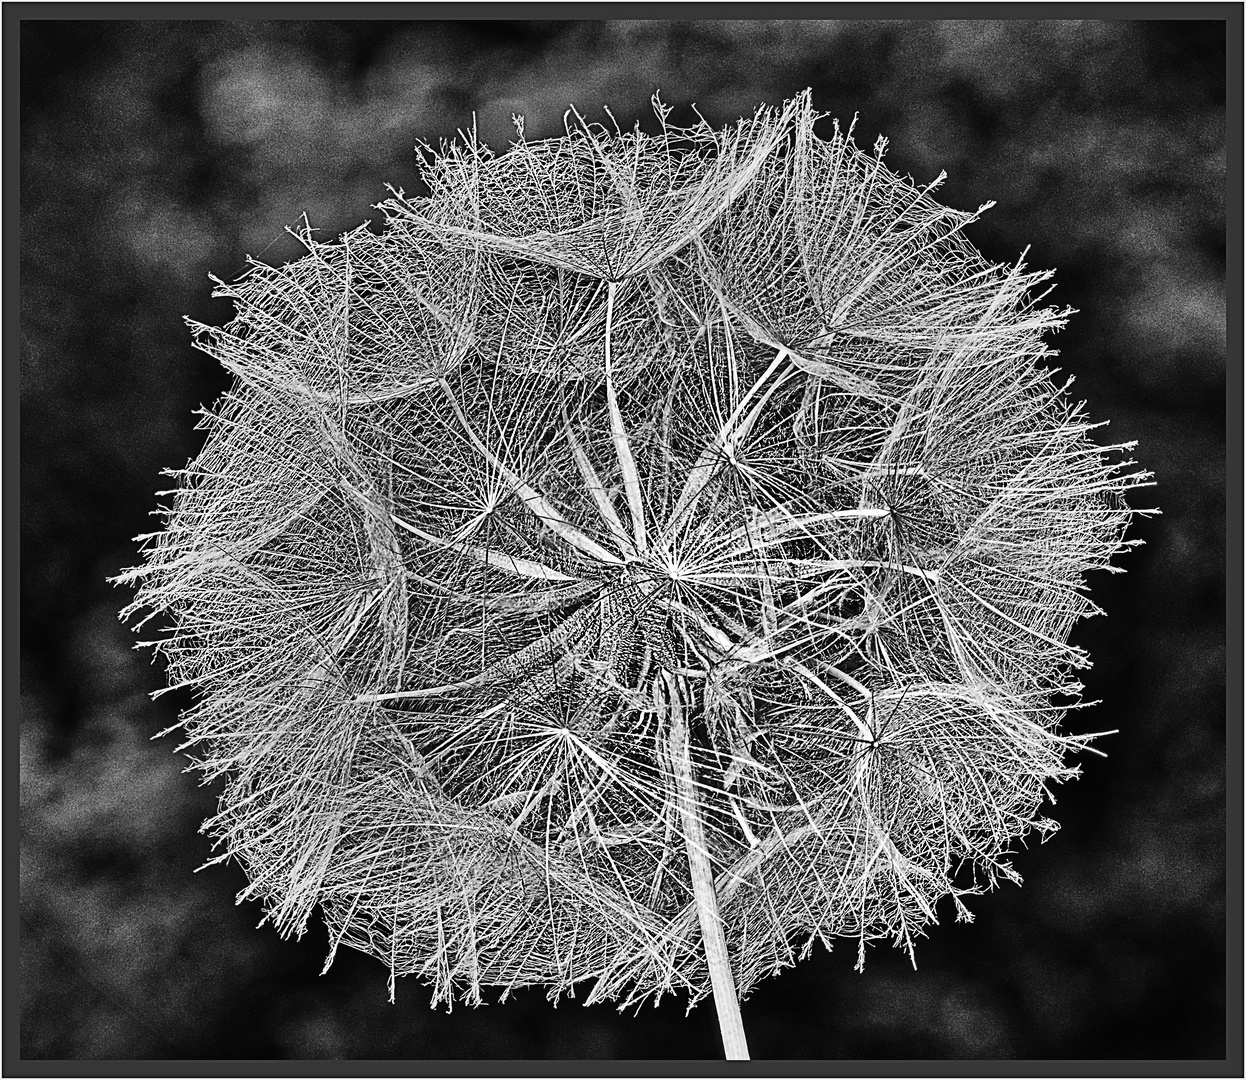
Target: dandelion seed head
[(618, 448)]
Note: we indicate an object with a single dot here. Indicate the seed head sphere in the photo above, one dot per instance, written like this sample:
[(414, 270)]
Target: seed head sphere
[(630, 504)]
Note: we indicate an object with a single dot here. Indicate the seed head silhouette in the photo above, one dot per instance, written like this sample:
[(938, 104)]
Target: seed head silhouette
[(645, 557)]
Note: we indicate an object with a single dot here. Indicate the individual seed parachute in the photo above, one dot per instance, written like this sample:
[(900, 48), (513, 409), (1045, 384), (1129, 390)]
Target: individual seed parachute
[(646, 552)]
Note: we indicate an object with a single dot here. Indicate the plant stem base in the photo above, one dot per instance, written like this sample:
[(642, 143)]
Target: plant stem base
[(713, 941)]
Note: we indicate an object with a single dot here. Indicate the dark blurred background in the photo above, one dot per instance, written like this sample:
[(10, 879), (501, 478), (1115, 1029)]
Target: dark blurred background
[(154, 153)]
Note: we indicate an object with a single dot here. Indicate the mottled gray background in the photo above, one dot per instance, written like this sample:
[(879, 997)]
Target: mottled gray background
[(153, 153)]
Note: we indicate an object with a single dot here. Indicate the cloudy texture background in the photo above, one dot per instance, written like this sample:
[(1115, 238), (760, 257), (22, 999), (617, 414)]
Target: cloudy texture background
[(155, 153)]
